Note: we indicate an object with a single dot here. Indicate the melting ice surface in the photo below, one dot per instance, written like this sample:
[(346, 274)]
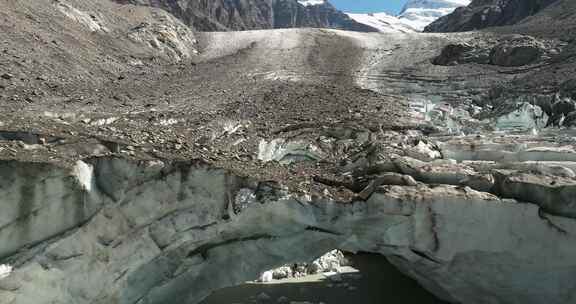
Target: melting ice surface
[(287, 152), (527, 118), (439, 114)]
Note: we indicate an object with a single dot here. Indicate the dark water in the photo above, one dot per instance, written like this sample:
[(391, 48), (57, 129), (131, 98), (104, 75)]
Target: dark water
[(378, 282)]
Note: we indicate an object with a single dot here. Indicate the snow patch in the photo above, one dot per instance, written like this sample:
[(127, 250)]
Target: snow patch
[(84, 18), (101, 122), (5, 270), (168, 122), (329, 263), (266, 277), (311, 2), (85, 174), (383, 22), (420, 13)]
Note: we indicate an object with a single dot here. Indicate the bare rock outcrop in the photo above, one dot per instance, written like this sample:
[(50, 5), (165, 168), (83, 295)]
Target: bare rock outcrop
[(460, 53), (506, 51), (292, 14), (166, 35), (517, 51), (568, 89), (487, 13)]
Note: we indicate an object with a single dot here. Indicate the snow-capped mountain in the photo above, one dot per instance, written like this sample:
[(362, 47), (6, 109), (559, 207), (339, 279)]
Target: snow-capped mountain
[(383, 22), (419, 13), (415, 15)]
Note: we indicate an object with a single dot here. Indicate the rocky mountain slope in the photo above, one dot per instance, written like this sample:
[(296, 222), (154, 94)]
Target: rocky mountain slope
[(50, 47), (322, 14), (482, 14), (556, 20), (218, 15), (224, 15), (143, 163)]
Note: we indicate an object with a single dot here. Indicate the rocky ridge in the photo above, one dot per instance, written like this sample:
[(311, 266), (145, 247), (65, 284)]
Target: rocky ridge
[(482, 14), (224, 15)]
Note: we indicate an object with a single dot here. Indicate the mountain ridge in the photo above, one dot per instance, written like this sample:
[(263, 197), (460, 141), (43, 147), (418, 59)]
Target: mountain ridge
[(482, 14), (227, 15)]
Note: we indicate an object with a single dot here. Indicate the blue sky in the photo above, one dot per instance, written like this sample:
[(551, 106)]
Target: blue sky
[(369, 6)]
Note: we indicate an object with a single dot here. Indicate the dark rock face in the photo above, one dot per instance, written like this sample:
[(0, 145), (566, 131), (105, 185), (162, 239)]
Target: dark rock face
[(562, 109), (224, 15), (454, 54), (487, 13), (216, 15), (516, 51), (510, 51), (570, 120), (291, 14), (568, 89)]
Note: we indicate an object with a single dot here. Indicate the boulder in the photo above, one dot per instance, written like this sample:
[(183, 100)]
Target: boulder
[(510, 51), (424, 151), (568, 89), (561, 109), (451, 54), (565, 107), (459, 53), (479, 182), (387, 179), (282, 273), (517, 51), (555, 195), (570, 120), (449, 174)]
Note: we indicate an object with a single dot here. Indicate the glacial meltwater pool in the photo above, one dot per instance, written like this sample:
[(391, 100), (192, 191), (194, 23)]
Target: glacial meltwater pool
[(370, 280)]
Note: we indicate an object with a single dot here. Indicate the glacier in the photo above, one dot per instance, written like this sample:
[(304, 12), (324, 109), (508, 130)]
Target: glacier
[(414, 17)]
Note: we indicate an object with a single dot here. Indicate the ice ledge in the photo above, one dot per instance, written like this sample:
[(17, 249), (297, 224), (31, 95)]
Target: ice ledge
[(165, 227)]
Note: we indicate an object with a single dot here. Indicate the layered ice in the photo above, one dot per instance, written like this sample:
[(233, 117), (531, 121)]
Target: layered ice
[(526, 117), (332, 261)]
